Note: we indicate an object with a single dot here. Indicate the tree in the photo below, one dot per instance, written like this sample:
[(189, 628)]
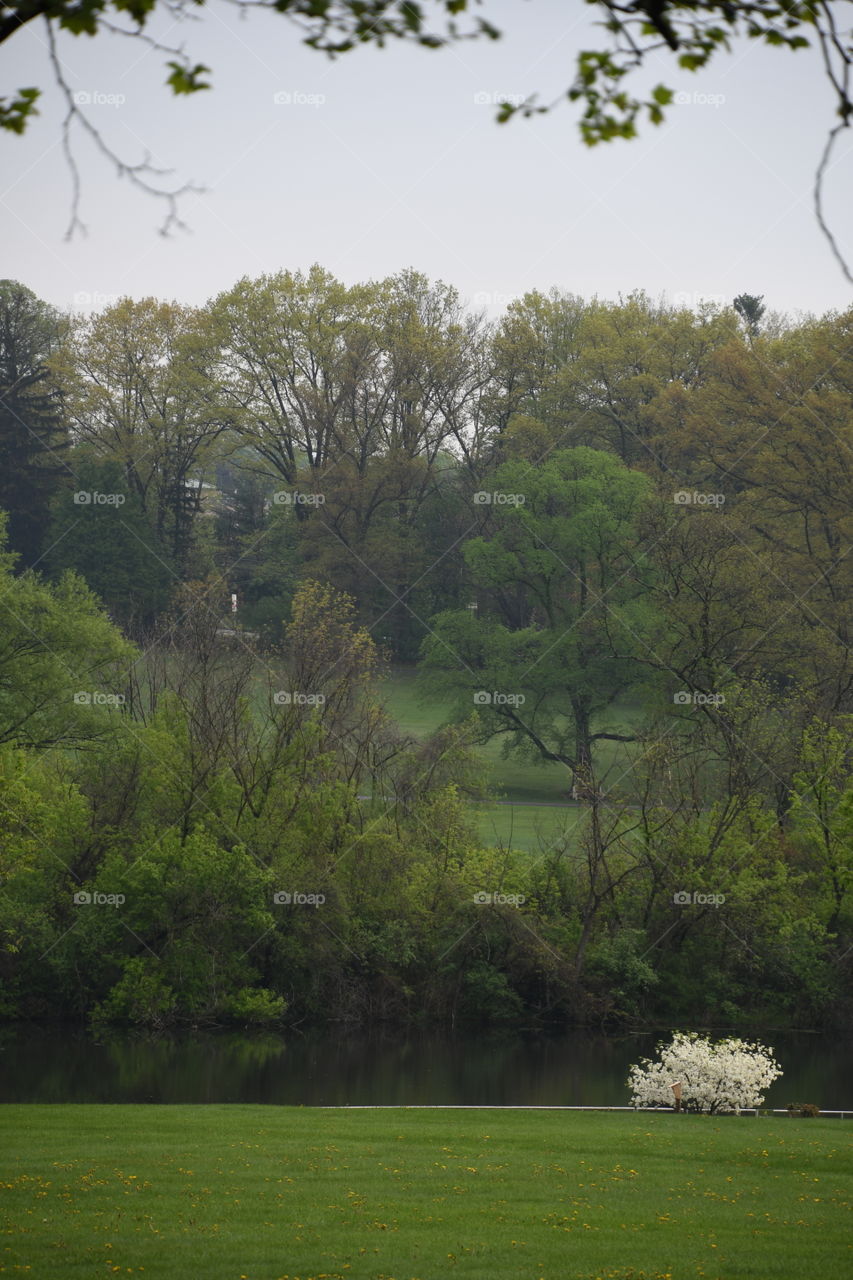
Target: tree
[(140, 388), (721, 608), (750, 307), (562, 616), (603, 374), (538, 339), (771, 426), (823, 812), (715, 1077), (183, 941), (63, 664), (354, 398), (294, 356), (111, 544), (32, 432)]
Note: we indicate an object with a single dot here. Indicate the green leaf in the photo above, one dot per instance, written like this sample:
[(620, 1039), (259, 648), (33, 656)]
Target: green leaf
[(15, 115), (186, 79)]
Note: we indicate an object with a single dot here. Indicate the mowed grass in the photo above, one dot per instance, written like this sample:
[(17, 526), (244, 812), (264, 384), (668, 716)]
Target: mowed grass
[(534, 809), (534, 827), (533, 821), (262, 1193)]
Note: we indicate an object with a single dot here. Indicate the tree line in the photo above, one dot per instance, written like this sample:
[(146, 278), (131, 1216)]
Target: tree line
[(614, 535)]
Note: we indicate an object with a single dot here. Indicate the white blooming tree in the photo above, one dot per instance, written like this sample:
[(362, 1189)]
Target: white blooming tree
[(722, 1076)]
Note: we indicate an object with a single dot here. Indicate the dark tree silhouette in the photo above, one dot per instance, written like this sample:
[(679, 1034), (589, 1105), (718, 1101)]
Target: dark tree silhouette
[(32, 434), (750, 307)]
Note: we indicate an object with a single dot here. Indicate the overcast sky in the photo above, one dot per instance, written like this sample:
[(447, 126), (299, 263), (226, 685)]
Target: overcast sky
[(384, 159)]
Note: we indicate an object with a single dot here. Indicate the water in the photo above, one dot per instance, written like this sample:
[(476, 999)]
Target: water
[(65, 1064)]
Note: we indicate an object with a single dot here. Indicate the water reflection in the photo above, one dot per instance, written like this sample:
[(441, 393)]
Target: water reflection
[(40, 1064)]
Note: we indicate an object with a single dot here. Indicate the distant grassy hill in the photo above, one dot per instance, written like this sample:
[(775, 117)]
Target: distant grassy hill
[(535, 802)]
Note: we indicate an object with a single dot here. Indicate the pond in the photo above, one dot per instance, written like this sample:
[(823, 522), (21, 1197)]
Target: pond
[(339, 1067)]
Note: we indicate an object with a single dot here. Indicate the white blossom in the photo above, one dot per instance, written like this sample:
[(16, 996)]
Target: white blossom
[(725, 1076)]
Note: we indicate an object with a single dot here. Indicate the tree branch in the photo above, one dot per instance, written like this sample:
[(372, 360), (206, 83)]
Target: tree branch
[(139, 175)]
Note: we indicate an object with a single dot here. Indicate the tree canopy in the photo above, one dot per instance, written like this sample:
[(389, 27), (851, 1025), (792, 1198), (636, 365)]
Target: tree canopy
[(618, 533)]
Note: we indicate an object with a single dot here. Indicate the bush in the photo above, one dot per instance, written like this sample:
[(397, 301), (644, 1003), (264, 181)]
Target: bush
[(256, 1006), (142, 997), (716, 1077)]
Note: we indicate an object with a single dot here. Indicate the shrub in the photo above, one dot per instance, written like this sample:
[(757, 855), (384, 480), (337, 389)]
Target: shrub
[(255, 1005), (725, 1076)]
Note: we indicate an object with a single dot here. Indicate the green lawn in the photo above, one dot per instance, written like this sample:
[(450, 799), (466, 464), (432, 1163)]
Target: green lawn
[(534, 827), (233, 1192), (536, 788)]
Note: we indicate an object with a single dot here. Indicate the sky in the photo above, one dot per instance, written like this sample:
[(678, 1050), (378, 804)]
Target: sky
[(386, 159)]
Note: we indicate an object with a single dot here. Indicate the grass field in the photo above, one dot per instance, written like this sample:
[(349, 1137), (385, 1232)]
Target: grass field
[(263, 1193), (528, 816)]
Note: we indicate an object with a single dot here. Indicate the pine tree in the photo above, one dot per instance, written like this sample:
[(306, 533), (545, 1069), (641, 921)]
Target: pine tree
[(32, 434), (750, 307)]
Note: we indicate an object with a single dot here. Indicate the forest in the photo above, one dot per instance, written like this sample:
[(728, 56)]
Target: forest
[(295, 583)]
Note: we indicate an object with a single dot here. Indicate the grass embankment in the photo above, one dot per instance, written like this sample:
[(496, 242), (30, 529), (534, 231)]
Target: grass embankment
[(260, 1193), (533, 811)]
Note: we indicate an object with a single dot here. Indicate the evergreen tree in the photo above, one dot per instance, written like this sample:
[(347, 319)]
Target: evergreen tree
[(100, 530), (750, 307), (32, 433)]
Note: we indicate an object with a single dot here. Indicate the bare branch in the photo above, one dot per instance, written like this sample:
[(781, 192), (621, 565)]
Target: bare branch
[(140, 175), (818, 200)]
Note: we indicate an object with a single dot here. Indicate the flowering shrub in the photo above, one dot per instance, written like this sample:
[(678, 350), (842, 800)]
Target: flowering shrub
[(715, 1077)]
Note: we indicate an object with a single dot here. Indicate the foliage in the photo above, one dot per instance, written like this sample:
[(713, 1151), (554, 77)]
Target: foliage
[(112, 545), (684, 664), (636, 34), (554, 641), (140, 388), (62, 662), (33, 434)]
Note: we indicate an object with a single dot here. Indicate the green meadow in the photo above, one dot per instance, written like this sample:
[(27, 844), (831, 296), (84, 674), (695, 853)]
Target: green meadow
[(280, 1193), (530, 810)]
